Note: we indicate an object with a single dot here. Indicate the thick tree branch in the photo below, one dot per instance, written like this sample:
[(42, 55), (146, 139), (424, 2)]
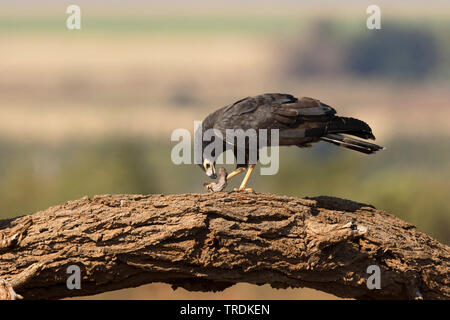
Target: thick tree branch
[(210, 241)]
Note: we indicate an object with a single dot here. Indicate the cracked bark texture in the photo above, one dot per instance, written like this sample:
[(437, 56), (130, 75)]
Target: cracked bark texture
[(209, 242)]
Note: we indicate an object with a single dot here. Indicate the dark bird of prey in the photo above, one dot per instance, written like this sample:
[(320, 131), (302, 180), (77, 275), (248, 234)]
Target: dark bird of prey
[(301, 122)]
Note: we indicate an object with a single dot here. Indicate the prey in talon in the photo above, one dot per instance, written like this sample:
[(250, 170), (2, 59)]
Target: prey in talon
[(220, 184)]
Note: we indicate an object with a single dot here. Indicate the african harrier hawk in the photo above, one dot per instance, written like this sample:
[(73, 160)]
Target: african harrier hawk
[(301, 122)]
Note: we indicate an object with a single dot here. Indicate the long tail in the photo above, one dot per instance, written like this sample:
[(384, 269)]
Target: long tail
[(342, 125), (350, 143)]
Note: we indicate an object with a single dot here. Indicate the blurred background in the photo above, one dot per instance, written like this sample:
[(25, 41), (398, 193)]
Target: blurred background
[(90, 111)]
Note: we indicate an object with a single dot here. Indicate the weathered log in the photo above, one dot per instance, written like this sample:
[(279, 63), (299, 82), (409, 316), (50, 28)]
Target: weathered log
[(211, 241)]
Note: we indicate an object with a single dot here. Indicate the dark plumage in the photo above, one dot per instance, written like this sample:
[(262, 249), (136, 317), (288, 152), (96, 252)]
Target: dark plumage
[(301, 122)]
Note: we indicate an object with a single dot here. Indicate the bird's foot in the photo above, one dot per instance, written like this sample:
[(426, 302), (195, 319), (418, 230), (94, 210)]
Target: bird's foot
[(209, 186), (244, 189)]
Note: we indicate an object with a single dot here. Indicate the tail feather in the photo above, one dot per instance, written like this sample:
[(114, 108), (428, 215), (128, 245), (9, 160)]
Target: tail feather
[(350, 126), (350, 143)]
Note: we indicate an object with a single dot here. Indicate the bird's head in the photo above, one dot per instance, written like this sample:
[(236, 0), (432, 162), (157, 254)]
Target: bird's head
[(209, 166)]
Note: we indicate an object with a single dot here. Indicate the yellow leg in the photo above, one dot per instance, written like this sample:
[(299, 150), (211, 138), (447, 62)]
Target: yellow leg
[(247, 176), (236, 172)]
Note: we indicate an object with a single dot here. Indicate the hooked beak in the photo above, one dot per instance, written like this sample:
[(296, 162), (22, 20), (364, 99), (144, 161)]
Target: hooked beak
[(211, 172), (213, 176)]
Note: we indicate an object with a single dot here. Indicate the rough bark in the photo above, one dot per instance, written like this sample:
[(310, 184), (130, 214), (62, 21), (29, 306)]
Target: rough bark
[(210, 241)]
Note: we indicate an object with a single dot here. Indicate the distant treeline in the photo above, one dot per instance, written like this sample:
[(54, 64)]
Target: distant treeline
[(397, 51)]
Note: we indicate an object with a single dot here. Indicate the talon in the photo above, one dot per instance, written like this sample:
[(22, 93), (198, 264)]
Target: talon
[(209, 186), (220, 185)]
